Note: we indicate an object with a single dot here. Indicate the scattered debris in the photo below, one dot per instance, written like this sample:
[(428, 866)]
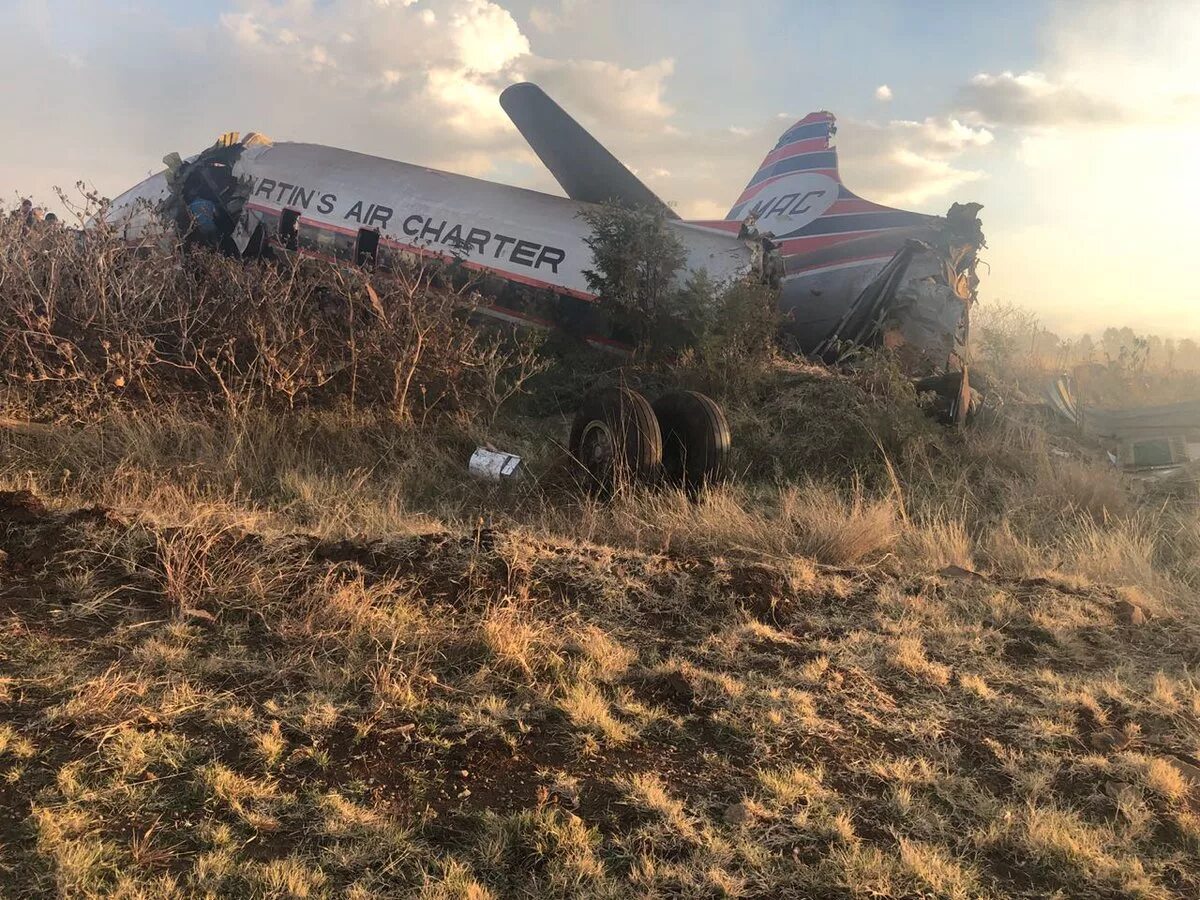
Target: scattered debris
[(494, 465), (1157, 441), (1061, 399), (956, 401)]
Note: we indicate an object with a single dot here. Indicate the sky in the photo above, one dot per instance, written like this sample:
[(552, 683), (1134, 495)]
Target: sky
[(1075, 124)]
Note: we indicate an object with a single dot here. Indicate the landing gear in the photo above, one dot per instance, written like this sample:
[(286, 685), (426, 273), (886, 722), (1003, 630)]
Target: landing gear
[(682, 440), (616, 439), (696, 439)]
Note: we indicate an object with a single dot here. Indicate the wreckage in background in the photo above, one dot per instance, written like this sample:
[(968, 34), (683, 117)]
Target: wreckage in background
[(1156, 441), (850, 271)]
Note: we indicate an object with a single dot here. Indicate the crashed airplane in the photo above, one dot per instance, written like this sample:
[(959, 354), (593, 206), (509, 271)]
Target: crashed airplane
[(849, 271)]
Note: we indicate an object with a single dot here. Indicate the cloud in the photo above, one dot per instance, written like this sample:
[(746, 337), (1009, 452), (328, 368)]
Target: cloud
[(550, 19), (1105, 136), (1036, 100), (368, 75), (908, 163), (1032, 99), (486, 36), (382, 78), (883, 93), (244, 29), (943, 135), (602, 92), (703, 210), (904, 163)]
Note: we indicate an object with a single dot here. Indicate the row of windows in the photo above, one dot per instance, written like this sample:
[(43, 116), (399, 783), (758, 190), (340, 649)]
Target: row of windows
[(578, 317), (363, 248)]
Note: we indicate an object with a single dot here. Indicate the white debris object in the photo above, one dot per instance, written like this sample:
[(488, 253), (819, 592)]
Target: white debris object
[(494, 465)]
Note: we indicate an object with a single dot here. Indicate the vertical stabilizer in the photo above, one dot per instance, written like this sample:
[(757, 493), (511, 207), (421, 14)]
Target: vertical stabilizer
[(797, 194)]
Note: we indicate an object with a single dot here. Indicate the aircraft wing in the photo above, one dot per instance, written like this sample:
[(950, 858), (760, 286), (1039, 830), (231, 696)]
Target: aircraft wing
[(579, 162)]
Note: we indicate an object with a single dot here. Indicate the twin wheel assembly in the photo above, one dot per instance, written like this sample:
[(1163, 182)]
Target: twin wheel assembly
[(619, 437)]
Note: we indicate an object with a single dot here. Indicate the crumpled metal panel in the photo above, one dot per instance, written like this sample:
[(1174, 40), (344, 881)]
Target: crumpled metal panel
[(919, 303)]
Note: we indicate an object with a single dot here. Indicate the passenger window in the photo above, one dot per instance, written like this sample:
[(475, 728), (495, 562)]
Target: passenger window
[(289, 229), (366, 248)]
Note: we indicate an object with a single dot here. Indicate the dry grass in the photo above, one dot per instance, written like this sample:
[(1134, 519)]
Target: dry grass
[(303, 655), (263, 713)]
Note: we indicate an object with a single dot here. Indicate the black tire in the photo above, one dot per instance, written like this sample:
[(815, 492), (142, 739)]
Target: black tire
[(696, 439), (615, 437)]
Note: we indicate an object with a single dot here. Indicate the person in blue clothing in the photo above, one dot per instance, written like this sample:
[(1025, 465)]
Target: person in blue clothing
[(203, 214)]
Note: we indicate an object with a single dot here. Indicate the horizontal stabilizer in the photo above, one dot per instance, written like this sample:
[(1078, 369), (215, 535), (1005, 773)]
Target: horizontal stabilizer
[(582, 166)]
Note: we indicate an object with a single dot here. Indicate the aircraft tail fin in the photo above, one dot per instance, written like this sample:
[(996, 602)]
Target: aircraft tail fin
[(797, 195), (805, 149)]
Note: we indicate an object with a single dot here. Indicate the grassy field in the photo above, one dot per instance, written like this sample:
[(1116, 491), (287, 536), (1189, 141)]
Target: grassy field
[(298, 653)]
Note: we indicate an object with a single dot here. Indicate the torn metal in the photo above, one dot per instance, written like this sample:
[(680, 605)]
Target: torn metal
[(920, 302), (491, 464), (1155, 440)]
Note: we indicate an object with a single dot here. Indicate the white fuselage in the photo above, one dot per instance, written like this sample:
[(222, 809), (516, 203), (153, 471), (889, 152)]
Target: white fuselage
[(523, 236)]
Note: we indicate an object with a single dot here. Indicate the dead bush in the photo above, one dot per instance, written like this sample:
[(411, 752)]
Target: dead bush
[(88, 321)]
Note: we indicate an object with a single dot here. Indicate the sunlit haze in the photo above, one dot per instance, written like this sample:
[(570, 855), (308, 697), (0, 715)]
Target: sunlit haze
[(1076, 125)]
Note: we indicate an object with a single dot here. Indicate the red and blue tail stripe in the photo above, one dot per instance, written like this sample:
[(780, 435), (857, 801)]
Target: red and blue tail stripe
[(806, 148)]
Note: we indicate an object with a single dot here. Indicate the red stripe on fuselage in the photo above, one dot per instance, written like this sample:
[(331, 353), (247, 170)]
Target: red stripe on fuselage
[(839, 263), (802, 245), (493, 310), (796, 246), (849, 205), (427, 252)]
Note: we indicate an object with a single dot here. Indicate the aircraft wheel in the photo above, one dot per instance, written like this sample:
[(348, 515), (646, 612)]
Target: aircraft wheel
[(615, 437), (696, 439)]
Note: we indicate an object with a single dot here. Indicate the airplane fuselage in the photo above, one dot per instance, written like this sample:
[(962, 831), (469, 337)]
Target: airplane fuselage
[(821, 243), (329, 202)]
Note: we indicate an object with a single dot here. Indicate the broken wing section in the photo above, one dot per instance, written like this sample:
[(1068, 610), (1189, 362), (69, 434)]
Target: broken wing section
[(583, 167)]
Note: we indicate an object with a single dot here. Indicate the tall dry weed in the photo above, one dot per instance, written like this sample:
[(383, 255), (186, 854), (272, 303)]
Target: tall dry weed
[(88, 322)]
